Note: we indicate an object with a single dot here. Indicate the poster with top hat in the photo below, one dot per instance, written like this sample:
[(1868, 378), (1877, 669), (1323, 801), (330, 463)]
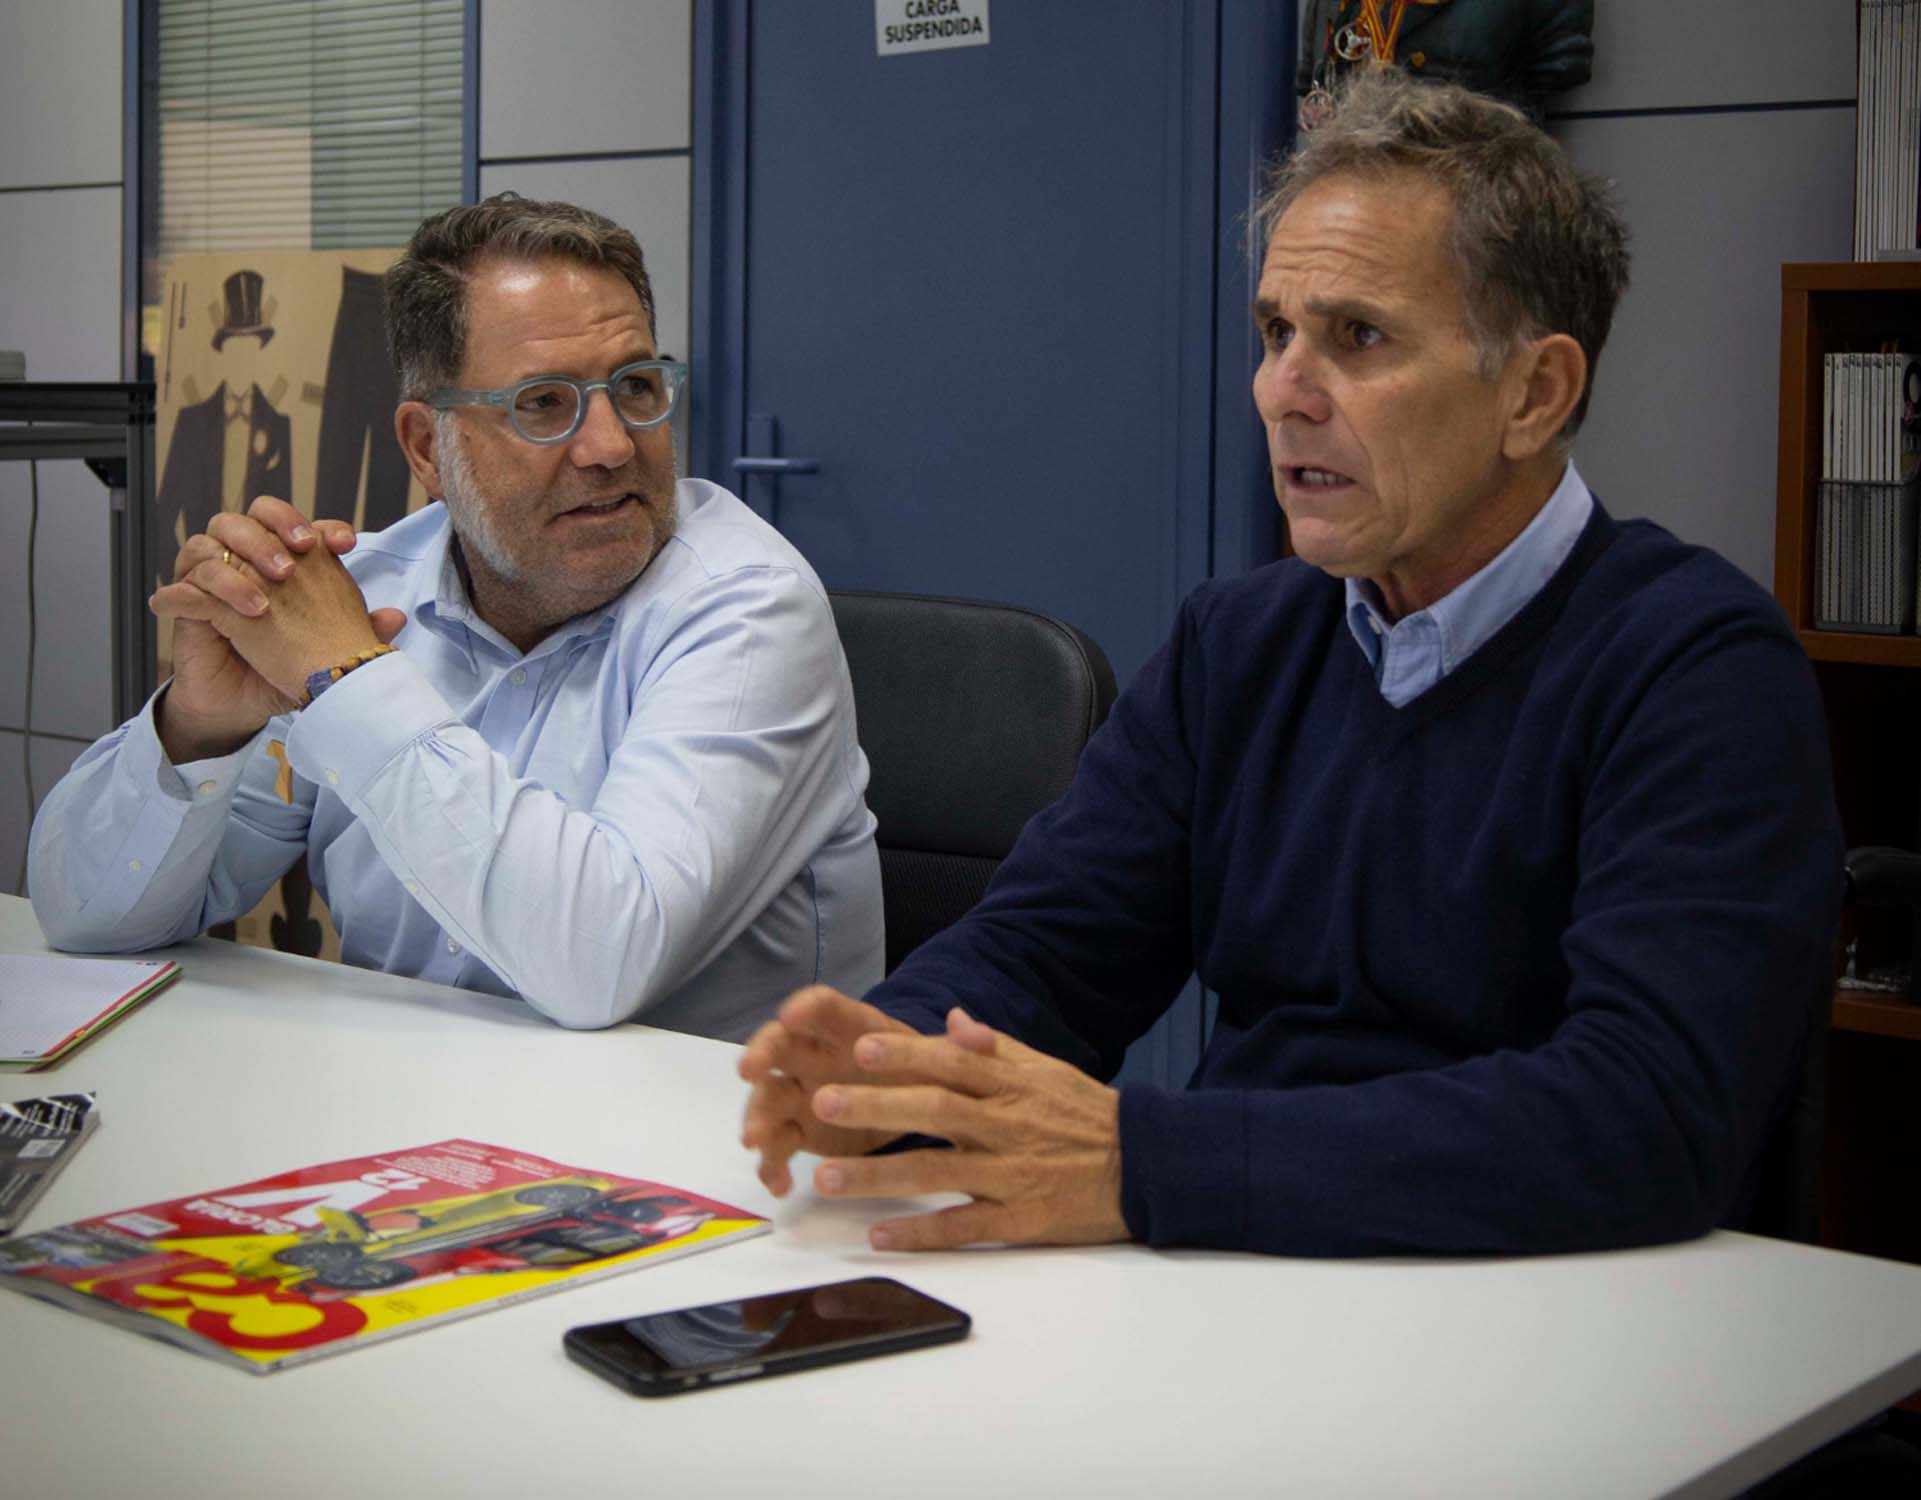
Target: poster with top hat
[(271, 378)]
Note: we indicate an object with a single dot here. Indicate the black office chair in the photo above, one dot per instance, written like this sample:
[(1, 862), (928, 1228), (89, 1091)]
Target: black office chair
[(1883, 898), (1883, 915), (1787, 1199), (973, 717), (1881, 926), (1881, 923)]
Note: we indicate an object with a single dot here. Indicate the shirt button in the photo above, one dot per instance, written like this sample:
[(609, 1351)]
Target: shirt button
[(208, 788), (134, 865), (1378, 627), (452, 946), (333, 778), (413, 888), (519, 676)]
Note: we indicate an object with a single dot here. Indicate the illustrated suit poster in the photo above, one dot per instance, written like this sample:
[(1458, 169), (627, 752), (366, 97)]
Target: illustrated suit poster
[(271, 378)]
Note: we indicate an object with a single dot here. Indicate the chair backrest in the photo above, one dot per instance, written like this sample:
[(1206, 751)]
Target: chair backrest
[(973, 717), (1881, 883), (1787, 1196)]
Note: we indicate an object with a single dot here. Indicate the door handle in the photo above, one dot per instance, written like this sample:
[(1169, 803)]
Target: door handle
[(761, 471), (776, 466)]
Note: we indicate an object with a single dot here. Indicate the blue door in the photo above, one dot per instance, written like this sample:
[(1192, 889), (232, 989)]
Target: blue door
[(973, 321)]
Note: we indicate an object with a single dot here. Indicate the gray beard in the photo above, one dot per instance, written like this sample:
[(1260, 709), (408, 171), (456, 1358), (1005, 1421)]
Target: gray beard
[(474, 528), (470, 520)]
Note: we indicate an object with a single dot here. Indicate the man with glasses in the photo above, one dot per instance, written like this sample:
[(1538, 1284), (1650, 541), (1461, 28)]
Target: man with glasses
[(579, 733)]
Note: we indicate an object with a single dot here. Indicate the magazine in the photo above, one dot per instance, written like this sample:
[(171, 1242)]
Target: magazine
[(280, 1271), (36, 1138)]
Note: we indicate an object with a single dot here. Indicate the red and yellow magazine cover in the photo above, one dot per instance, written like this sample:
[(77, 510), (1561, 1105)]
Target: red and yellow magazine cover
[(288, 1268)]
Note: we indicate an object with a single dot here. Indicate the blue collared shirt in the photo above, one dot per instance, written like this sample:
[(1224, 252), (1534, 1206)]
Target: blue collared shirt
[(1413, 653), (656, 813)]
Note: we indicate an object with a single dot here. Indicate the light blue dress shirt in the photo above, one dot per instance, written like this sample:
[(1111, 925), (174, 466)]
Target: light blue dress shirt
[(1411, 654), (657, 813)]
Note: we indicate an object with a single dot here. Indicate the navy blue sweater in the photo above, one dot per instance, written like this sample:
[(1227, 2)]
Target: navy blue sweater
[(1522, 966)]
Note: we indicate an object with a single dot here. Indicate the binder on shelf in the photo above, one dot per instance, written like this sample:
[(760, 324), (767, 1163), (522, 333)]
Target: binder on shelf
[(1866, 512), (1866, 533), (1887, 150)]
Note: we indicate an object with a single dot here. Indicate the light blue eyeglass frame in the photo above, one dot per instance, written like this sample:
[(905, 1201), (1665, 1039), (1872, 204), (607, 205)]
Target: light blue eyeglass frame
[(673, 372)]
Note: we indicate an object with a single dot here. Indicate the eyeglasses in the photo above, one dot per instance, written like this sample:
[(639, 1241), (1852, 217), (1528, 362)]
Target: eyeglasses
[(550, 408)]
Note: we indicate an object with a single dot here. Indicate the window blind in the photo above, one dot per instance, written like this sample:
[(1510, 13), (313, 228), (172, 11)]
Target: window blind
[(305, 124)]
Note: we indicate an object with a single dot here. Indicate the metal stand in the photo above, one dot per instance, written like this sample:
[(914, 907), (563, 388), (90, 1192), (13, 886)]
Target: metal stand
[(111, 427)]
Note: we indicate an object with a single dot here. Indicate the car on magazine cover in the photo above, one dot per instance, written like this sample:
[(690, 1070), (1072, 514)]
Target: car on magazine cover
[(544, 1225), (74, 1246)]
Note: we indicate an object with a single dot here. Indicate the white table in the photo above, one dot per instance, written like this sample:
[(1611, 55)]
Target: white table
[(1689, 1370)]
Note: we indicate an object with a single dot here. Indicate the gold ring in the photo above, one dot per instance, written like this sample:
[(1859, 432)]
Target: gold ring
[(226, 556)]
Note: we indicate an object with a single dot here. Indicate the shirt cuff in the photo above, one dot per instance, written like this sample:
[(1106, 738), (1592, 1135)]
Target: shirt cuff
[(346, 737), (1184, 1166), (144, 759)]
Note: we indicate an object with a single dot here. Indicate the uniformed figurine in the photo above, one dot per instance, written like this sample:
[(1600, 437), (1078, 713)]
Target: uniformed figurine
[(1517, 50)]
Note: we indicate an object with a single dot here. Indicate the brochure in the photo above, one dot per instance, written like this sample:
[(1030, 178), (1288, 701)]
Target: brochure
[(283, 1270), (50, 1005), (36, 1138)]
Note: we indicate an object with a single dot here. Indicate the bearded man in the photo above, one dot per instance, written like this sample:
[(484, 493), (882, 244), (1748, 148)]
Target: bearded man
[(578, 733)]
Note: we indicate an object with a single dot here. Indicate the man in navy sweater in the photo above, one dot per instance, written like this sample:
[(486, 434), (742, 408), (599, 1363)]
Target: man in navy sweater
[(1504, 830)]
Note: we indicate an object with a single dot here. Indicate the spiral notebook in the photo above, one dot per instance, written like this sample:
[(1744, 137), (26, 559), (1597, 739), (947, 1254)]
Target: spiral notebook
[(49, 1006)]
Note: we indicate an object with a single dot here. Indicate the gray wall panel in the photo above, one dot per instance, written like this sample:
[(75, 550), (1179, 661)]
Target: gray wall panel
[(60, 290), (1655, 54), (60, 122), (649, 195), (73, 668), (60, 99), (60, 302), (588, 76), (1683, 425), (50, 761)]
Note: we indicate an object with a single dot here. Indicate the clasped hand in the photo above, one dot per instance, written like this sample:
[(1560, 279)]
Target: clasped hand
[(258, 602), (1036, 1142)]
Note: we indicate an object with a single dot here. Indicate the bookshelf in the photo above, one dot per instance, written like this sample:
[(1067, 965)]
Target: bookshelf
[(1871, 688), (1870, 683), (1830, 307)]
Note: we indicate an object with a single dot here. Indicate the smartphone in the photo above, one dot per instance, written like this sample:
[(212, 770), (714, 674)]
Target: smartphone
[(663, 1354)]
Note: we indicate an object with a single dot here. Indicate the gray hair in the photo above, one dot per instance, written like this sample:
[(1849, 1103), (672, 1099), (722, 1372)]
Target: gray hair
[(1538, 247), (426, 289)]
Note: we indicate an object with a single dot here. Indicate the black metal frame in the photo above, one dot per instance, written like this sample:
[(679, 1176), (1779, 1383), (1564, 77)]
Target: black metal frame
[(110, 426)]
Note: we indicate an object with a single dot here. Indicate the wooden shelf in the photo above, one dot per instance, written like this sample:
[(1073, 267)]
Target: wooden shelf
[(1827, 307), (1874, 725), (1862, 1010), (1867, 650), (1851, 276)]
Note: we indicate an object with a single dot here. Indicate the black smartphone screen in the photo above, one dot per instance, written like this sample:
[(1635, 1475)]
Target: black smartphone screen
[(662, 1353)]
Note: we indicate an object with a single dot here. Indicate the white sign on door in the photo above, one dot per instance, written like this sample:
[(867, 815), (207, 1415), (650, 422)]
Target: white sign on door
[(928, 25)]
